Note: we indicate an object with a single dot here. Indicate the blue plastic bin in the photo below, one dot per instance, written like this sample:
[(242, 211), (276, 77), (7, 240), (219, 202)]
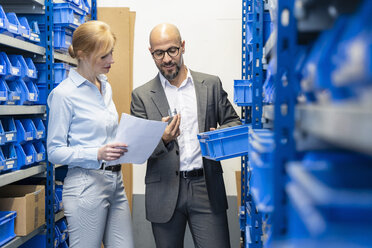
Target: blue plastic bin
[(67, 15), (24, 28), (4, 89), (58, 191), (13, 24), (57, 236), (34, 32), (62, 38), (2, 161), (267, 26), (28, 69), (61, 71), (243, 92), (2, 19), (62, 226), (43, 94), (29, 92), (2, 134), (10, 129), (86, 6), (7, 226), (12, 68), (2, 66), (40, 151), (26, 130), (10, 156), (40, 128), (224, 143), (26, 155), (14, 93)]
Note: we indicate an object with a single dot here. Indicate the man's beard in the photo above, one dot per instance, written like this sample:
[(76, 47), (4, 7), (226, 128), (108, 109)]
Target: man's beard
[(172, 76)]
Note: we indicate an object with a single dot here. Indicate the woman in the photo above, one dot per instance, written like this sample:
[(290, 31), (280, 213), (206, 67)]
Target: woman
[(82, 125)]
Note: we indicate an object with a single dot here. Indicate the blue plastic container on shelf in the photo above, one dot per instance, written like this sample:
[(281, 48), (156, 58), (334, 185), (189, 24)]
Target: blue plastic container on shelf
[(243, 92), (2, 134), (10, 156), (4, 89), (7, 226), (40, 128), (28, 69), (67, 15), (57, 236), (3, 70), (29, 92), (58, 191), (12, 67), (86, 6), (62, 38), (267, 26), (14, 92), (43, 93), (260, 151), (61, 71), (224, 143), (2, 161), (24, 28), (26, 130), (25, 154), (40, 151), (10, 129), (13, 24), (34, 32), (62, 226), (2, 19)]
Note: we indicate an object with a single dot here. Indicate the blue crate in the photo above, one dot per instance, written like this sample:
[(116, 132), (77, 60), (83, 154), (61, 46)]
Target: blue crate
[(260, 151), (2, 19), (14, 93), (43, 93), (40, 151), (34, 32), (40, 128), (2, 66), (267, 26), (12, 67), (2, 134), (26, 130), (62, 226), (62, 38), (61, 71), (10, 129), (7, 226), (13, 24), (57, 236), (86, 6), (2, 161), (25, 154), (224, 143), (58, 191), (4, 89), (10, 156), (29, 92), (24, 28), (243, 92), (28, 69), (68, 15)]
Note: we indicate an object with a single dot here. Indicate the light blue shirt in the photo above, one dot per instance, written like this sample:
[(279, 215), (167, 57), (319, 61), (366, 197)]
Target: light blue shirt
[(81, 120)]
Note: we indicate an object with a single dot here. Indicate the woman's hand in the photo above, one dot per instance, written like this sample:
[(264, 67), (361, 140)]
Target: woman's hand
[(112, 151)]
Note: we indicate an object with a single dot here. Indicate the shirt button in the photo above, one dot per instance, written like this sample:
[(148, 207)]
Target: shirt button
[(177, 152)]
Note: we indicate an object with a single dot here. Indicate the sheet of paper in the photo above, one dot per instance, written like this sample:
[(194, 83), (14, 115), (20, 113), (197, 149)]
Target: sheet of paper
[(141, 135)]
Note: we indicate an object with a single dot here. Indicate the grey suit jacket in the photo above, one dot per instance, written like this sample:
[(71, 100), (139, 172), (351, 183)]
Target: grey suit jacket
[(162, 176)]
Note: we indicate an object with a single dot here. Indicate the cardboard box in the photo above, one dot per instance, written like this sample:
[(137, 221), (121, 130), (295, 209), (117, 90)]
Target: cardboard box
[(29, 202), (238, 186)]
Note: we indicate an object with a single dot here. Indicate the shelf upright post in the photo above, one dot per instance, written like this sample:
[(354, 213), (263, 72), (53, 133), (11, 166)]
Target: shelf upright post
[(94, 9), (49, 60), (283, 110)]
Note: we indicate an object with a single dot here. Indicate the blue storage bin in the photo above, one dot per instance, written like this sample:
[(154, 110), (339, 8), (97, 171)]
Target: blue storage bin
[(26, 130), (4, 89), (243, 92), (57, 236), (24, 28), (67, 15), (12, 68), (2, 134), (61, 71), (26, 155), (62, 226), (43, 93), (14, 93), (2, 66), (86, 6), (10, 156), (56, 203), (2, 19), (10, 129), (261, 146), (40, 151), (267, 26), (40, 128), (29, 92), (28, 69), (224, 143), (63, 245), (62, 38), (13, 24), (7, 226), (58, 191), (2, 161), (34, 32)]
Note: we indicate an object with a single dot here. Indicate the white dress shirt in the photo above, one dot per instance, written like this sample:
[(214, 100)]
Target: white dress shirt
[(81, 120), (183, 99)]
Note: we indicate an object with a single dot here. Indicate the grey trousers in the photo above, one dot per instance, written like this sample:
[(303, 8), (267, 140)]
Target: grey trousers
[(96, 209), (208, 229)]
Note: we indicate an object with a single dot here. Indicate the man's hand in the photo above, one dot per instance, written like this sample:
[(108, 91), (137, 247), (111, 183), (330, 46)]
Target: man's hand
[(111, 151), (172, 131)]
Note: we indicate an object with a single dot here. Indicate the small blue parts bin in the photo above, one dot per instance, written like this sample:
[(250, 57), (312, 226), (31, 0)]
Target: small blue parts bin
[(4, 89), (34, 32), (12, 67), (10, 156), (2, 19), (2, 161), (25, 154), (224, 143), (62, 226), (26, 130), (7, 226), (10, 129), (40, 128), (40, 151), (13, 24), (243, 92), (24, 28)]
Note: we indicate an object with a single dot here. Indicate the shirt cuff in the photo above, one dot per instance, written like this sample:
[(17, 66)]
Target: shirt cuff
[(91, 154)]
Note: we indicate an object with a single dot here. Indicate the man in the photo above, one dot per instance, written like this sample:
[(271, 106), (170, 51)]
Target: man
[(182, 186)]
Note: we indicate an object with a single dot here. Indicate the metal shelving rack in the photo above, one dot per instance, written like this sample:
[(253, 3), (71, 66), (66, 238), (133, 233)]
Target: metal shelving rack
[(48, 55)]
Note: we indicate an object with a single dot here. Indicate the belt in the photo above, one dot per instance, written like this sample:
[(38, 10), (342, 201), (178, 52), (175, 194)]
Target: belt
[(192, 174), (113, 168)]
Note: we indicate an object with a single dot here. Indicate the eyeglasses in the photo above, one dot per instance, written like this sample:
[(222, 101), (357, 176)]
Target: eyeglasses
[(172, 52)]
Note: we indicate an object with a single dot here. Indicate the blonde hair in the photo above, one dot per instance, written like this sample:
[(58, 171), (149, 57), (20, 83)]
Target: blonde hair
[(92, 37)]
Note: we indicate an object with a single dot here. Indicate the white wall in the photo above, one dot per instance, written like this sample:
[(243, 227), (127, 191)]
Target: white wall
[(212, 32)]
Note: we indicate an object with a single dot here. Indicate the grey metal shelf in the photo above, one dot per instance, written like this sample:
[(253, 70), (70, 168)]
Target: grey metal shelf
[(15, 176), (345, 125), (19, 240), (12, 42), (22, 110), (65, 58)]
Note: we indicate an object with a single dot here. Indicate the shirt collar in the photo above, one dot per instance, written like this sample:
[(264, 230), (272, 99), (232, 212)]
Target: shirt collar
[(165, 83), (78, 79)]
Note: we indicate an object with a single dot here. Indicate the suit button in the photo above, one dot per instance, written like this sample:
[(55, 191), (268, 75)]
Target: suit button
[(176, 173), (177, 152)]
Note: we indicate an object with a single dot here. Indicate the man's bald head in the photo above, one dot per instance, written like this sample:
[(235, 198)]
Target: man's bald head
[(165, 31)]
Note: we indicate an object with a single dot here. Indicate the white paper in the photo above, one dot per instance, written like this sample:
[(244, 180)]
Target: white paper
[(141, 135)]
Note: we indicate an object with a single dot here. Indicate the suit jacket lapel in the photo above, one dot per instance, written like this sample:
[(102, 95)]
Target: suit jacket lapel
[(202, 100), (159, 98)]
